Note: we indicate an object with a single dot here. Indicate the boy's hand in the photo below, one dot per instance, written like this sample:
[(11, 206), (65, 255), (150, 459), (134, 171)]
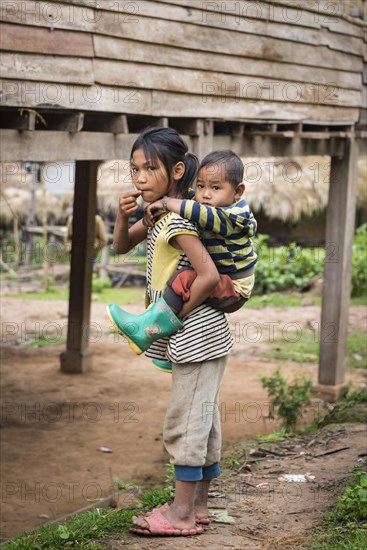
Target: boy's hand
[(153, 212), (128, 204)]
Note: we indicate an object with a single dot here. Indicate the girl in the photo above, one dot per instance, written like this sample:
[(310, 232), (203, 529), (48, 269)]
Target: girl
[(161, 166)]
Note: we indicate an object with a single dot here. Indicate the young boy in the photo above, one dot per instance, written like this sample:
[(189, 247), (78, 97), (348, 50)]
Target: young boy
[(226, 225)]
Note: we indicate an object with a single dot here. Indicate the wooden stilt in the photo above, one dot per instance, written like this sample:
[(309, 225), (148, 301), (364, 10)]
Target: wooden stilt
[(77, 358), (202, 138), (340, 227)]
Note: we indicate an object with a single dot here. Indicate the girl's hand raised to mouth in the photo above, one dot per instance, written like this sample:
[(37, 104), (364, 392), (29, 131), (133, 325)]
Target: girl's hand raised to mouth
[(128, 203)]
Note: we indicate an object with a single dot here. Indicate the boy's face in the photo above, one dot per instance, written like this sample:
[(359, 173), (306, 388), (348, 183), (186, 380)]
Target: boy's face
[(213, 189)]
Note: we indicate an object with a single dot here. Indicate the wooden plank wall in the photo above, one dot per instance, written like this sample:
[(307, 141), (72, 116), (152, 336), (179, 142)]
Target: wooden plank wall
[(224, 60)]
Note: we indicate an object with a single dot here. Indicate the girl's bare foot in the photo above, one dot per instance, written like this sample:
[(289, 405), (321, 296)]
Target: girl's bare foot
[(201, 500), (177, 516)]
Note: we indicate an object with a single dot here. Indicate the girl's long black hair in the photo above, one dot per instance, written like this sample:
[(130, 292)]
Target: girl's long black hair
[(168, 146)]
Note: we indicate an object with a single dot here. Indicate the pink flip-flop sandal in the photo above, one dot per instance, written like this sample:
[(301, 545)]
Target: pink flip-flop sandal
[(162, 508), (160, 526)]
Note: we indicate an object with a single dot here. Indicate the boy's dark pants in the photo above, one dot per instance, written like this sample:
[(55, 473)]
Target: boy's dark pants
[(224, 297)]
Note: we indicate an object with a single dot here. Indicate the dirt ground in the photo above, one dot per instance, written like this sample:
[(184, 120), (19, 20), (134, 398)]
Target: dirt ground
[(54, 425), (268, 512)]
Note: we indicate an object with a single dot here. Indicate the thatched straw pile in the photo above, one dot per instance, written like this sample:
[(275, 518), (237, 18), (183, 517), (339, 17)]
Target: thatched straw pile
[(113, 179), (282, 188), (286, 188), (15, 196), (15, 202)]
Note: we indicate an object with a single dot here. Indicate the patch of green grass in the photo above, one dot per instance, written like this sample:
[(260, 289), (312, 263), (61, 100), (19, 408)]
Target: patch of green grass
[(293, 299), (160, 494), (120, 296), (44, 342), (339, 538), (280, 299), (359, 300), (352, 399), (346, 526), (281, 435), (79, 531), (357, 350), (57, 294), (306, 349), (84, 530)]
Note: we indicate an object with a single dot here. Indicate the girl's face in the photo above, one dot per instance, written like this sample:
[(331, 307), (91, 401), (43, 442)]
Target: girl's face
[(149, 177)]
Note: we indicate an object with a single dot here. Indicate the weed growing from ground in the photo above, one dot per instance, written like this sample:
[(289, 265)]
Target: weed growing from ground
[(287, 400)]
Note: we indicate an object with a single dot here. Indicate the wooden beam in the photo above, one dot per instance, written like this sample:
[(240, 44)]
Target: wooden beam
[(55, 69), (23, 38), (78, 358), (50, 146), (21, 119), (117, 124), (232, 104), (106, 122), (236, 129), (230, 87), (246, 40), (278, 146), (163, 121), (140, 52), (67, 122), (338, 270)]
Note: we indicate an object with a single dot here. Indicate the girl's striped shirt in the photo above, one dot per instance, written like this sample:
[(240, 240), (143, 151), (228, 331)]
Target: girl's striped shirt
[(205, 334)]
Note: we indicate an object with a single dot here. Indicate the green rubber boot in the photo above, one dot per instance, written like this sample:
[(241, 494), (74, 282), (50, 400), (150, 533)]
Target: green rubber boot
[(164, 366), (141, 331)]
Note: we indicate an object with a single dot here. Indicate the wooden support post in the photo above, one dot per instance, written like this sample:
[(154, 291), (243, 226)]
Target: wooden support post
[(236, 131), (26, 120), (77, 358), (117, 124), (35, 171), (162, 122), (68, 122), (338, 270), (202, 137), (102, 272)]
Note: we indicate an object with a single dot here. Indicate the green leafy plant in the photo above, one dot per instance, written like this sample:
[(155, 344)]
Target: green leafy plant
[(121, 485), (285, 267), (359, 262), (352, 504), (288, 400), (274, 436), (345, 527), (290, 267), (353, 399), (98, 285), (231, 461), (64, 532)]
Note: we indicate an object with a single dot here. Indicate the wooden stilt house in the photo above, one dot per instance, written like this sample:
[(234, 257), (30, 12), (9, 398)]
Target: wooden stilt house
[(81, 78)]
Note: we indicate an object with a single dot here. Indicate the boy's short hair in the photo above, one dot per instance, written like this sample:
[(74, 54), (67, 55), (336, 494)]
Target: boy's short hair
[(233, 165)]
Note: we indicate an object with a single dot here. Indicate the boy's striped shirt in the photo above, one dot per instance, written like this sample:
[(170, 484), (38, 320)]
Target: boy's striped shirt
[(226, 233)]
